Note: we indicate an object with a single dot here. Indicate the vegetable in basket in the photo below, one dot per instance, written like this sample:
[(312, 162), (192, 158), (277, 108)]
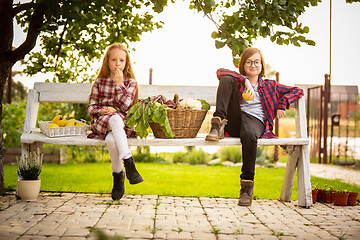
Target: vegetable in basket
[(153, 109)]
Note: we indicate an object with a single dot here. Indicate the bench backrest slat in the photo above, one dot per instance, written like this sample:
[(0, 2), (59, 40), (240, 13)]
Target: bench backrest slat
[(79, 93)]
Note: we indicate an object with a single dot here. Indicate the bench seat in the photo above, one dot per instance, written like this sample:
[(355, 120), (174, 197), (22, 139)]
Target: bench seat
[(37, 136)]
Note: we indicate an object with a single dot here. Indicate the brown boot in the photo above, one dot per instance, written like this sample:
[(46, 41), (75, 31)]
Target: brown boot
[(217, 129), (246, 192)]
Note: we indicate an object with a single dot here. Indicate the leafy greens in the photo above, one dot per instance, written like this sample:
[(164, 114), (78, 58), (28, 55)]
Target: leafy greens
[(145, 111)]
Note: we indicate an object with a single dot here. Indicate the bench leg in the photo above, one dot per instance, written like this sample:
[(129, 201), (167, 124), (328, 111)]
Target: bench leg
[(304, 184), (294, 152)]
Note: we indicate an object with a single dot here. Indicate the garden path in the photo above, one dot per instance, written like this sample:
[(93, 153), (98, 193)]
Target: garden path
[(345, 173), (68, 216)]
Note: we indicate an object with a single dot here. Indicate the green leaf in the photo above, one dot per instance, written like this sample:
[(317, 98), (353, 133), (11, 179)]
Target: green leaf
[(204, 104), (306, 29), (219, 44), (214, 35)]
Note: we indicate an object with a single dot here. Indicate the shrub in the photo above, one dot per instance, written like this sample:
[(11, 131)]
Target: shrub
[(12, 124), (231, 153), (262, 157), (87, 154), (198, 157), (148, 158), (194, 156), (179, 157)]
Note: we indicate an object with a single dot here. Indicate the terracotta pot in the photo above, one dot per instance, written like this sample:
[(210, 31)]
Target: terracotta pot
[(331, 198), (341, 199), (327, 196), (321, 193), (29, 189), (314, 195), (352, 198)]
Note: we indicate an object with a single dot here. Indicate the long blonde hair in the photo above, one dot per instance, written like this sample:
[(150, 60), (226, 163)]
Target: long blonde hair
[(128, 70)]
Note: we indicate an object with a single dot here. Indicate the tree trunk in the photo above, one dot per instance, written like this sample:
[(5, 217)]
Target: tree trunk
[(5, 69), (8, 56), (9, 89), (6, 39)]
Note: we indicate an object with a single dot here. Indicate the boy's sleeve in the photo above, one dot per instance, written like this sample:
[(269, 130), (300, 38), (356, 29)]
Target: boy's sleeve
[(288, 95), (221, 72)]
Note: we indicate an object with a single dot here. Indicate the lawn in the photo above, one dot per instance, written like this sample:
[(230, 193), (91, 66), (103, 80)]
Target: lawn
[(165, 179)]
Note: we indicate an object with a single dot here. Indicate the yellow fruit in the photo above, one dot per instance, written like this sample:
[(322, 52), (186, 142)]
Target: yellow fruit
[(71, 122), (52, 125), (112, 108), (246, 96), (79, 124), (59, 120)]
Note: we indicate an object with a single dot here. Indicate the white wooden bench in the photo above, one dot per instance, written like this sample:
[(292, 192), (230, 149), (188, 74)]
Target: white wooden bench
[(298, 148)]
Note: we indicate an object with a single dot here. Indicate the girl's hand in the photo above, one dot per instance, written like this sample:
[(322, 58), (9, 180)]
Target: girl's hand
[(106, 111), (280, 114), (119, 76)]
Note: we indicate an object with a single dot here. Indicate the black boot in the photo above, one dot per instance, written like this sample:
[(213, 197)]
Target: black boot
[(118, 188), (131, 173)]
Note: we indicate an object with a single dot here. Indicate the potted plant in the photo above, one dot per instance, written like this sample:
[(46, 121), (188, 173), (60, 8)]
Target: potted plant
[(315, 194), (341, 198), (329, 195), (29, 169), (352, 198)]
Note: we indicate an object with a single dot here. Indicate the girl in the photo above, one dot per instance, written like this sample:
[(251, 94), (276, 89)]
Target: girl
[(249, 119), (113, 93)]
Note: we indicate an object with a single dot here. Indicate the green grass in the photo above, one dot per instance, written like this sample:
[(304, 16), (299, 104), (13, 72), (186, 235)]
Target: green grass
[(162, 179)]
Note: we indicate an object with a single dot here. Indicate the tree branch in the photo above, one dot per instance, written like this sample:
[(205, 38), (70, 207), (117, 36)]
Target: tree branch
[(60, 43), (32, 35), (22, 7)]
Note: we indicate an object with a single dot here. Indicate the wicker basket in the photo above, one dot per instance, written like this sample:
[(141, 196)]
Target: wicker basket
[(62, 131), (184, 123)]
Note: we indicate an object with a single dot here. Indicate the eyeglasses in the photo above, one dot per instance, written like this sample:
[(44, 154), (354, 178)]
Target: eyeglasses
[(249, 63)]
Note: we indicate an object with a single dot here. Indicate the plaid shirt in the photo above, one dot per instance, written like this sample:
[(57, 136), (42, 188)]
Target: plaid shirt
[(105, 94), (273, 96)]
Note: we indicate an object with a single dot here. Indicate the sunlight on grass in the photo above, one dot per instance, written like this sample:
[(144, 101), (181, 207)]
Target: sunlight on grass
[(159, 179)]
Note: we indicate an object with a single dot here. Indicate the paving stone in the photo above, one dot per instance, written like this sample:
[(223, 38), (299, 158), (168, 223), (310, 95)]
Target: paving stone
[(68, 216)]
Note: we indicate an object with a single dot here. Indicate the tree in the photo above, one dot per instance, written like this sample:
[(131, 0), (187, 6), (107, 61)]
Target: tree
[(72, 34), (240, 22)]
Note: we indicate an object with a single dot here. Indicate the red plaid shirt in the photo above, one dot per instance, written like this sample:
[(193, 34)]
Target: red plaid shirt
[(105, 94), (273, 96)]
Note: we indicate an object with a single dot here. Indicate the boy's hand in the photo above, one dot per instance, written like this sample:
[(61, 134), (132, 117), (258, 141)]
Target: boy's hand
[(249, 91), (280, 114)]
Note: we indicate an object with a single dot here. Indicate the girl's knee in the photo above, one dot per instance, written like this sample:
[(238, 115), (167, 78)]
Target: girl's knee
[(110, 140), (116, 119)]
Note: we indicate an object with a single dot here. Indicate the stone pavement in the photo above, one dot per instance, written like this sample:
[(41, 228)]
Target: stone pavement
[(73, 216), (346, 174)]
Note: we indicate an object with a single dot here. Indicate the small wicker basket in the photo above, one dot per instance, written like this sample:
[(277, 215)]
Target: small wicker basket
[(63, 131), (184, 123)]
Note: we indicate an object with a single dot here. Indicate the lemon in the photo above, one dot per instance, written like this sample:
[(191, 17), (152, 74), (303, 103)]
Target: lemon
[(71, 122), (52, 125), (59, 120), (246, 96)]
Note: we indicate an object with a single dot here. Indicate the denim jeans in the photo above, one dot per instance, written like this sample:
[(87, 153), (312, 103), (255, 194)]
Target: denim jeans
[(240, 124)]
